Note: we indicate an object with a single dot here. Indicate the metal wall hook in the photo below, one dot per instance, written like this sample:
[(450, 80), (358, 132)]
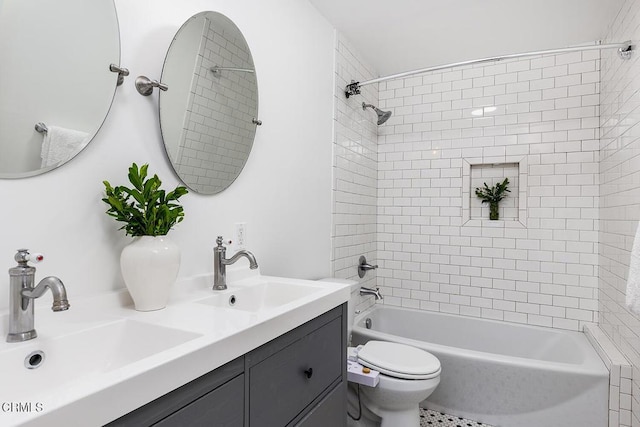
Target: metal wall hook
[(41, 127), (363, 266), (256, 122), (145, 85), (122, 72)]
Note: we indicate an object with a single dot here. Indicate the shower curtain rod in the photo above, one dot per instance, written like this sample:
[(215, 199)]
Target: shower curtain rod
[(624, 51)]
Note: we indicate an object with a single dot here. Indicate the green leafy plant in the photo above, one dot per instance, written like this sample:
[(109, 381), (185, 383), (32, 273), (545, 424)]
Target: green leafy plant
[(493, 194), (145, 209)]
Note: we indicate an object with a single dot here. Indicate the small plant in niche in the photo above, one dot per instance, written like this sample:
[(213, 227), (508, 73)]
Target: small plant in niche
[(145, 209), (493, 195)]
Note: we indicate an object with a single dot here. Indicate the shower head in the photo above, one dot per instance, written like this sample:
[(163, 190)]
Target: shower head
[(383, 116)]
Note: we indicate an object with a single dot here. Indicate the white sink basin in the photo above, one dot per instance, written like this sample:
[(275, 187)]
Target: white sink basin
[(81, 355), (260, 297)]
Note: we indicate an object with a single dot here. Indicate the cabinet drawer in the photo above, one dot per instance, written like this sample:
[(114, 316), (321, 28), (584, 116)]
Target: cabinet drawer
[(331, 411), (173, 402), (223, 407), (279, 387)]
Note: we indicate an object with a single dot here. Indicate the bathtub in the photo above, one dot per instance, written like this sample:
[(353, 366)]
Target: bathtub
[(500, 373)]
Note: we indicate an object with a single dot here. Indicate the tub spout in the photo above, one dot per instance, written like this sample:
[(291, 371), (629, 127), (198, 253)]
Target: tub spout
[(368, 291)]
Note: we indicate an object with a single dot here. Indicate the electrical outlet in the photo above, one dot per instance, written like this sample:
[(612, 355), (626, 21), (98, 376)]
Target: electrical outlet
[(240, 235)]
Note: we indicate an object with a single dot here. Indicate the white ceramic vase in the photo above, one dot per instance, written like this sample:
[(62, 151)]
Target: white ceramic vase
[(150, 267)]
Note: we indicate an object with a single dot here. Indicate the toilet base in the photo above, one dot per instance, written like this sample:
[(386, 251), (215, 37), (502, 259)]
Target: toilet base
[(394, 402), (400, 418), (381, 418)]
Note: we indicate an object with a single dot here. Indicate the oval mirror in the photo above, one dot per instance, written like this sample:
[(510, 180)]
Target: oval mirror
[(56, 86), (208, 116)]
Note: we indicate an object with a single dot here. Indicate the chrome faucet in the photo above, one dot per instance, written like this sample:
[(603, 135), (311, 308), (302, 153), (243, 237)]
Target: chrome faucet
[(368, 291), (22, 294), (220, 264)]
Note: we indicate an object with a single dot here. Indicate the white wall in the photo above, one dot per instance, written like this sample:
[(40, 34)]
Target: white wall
[(284, 192), (537, 267), (620, 200)]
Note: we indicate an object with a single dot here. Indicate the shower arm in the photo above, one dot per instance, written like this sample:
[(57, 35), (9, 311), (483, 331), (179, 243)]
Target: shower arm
[(624, 52)]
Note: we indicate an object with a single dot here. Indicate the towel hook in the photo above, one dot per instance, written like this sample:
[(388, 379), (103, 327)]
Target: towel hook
[(122, 72), (41, 127), (145, 85)]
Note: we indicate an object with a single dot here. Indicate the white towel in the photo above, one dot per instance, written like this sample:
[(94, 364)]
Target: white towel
[(633, 281), (61, 144)]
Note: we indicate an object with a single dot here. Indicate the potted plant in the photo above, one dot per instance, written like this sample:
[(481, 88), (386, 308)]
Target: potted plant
[(151, 262), (493, 196)]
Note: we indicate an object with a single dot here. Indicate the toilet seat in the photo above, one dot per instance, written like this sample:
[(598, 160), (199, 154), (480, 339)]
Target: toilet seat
[(399, 360)]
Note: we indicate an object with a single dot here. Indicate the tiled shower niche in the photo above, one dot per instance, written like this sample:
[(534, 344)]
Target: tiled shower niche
[(512, 207)]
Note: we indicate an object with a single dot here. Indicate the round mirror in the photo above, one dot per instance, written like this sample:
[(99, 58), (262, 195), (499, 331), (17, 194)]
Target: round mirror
[(208, 117), (56, 86)]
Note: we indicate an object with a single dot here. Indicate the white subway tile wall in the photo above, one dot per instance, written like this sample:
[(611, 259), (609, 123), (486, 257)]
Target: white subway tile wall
[(355, 169), (539, 116), (219, 109), (620, 376), (620, 196)]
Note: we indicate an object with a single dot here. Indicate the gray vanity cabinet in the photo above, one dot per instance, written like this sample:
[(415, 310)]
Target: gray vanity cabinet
[(297, 379)]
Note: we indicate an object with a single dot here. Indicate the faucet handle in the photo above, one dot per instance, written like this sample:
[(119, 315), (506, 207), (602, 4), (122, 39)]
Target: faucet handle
[(36, 258), (23, 256), (220, 241)]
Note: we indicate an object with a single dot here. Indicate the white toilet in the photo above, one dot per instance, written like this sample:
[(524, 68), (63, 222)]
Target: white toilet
[(408, 375)]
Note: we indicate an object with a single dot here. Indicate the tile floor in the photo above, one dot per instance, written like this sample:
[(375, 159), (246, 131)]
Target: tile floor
[(429, 418)]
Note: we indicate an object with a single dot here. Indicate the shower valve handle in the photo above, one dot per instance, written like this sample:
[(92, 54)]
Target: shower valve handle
[(364, 266)]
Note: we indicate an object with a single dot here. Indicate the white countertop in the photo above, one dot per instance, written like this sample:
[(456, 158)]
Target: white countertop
[(215, 336)]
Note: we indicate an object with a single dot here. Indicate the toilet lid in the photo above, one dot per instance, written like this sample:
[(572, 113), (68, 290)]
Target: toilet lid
[(399, 360)]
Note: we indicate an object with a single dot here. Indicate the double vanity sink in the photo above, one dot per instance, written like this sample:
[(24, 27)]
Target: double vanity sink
[(102, 359)]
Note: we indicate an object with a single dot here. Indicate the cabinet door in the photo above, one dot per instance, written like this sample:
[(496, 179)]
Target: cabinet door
[(223, 407), (284, 384)]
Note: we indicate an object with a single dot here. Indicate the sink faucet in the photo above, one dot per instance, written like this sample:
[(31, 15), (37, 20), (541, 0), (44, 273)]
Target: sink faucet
[(368, 291), (220, 264), (22, 294)]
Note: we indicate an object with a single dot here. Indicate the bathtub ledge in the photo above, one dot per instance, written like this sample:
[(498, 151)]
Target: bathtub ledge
[(620, 375)]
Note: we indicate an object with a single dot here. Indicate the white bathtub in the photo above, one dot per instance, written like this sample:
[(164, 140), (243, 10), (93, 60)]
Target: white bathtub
[(500, 373)]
